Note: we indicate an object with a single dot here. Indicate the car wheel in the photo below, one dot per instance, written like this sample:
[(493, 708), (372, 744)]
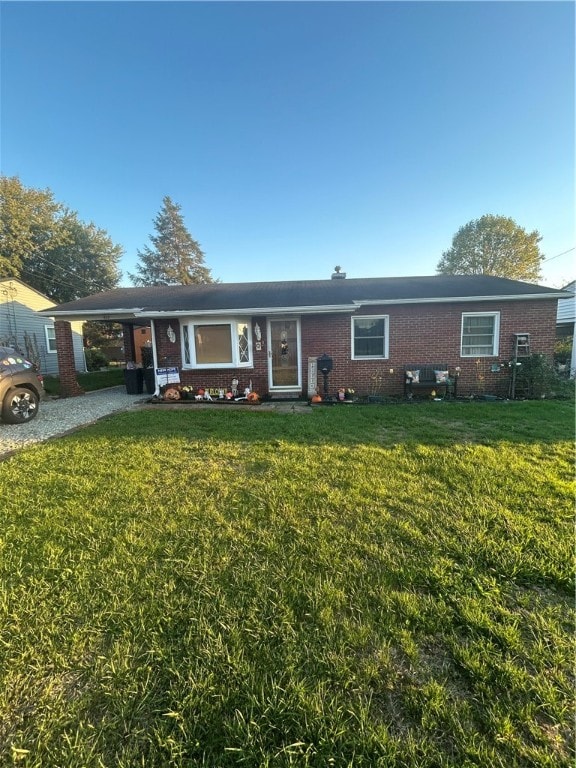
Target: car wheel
[(20, 405)]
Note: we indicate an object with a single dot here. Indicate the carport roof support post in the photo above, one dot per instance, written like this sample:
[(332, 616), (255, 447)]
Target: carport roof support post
[(69, 386)]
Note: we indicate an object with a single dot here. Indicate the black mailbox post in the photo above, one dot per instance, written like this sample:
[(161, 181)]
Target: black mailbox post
[(325, 364)]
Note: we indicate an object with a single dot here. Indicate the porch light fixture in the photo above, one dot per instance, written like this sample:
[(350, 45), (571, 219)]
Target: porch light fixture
[(257, 332), (171, 335)]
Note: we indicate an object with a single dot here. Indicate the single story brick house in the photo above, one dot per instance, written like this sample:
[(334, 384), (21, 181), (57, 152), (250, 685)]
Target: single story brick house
[(269, 335)]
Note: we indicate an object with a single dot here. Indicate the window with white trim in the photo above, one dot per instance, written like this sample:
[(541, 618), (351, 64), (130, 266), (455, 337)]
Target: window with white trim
[(217, 344), (370, 337), (480, 332), (50, 332)]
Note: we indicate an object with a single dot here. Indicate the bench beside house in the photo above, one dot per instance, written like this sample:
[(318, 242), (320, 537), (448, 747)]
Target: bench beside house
[(426, 378)]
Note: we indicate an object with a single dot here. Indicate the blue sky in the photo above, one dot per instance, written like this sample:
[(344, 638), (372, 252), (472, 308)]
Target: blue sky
[(298, 135)]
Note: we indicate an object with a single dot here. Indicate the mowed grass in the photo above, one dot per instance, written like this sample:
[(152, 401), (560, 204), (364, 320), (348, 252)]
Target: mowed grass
[(347, 586)]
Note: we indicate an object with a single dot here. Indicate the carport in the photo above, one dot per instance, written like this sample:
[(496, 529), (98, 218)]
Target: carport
[(69, 386)]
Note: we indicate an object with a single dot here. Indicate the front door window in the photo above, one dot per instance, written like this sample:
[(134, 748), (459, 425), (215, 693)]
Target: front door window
[(284, 354)]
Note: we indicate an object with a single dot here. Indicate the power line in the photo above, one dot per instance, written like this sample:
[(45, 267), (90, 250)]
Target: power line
[(53, 281), (59, 281), (558, 254)]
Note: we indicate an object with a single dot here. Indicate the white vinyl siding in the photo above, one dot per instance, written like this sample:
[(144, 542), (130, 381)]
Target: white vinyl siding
[(23, 327)]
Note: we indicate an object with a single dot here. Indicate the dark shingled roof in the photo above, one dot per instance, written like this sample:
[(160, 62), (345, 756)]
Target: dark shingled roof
[(302, 293)]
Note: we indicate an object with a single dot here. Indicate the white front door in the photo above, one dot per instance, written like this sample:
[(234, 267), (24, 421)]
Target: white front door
[(284, 367)]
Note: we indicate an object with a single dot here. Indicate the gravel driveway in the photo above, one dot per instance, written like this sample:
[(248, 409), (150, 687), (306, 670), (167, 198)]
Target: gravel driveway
[(56, 417)]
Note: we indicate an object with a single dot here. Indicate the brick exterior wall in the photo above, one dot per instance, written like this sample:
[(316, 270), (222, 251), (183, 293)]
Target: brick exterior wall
[(169, 355), (69, 386), (142, 338), (428, 333), (128, 341), (418, 334)]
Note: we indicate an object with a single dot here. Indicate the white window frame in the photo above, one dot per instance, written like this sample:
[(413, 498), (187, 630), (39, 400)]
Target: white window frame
[(233, 323), (495, 337), (50, 339), (386, 354)]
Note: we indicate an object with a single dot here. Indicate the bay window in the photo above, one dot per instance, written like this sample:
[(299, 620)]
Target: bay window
[(217, 344)]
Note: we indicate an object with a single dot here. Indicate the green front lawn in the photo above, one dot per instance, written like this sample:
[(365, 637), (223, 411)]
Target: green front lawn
[(344, 586)]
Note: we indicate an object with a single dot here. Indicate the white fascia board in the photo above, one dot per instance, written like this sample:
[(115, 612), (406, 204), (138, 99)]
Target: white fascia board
[(457, 299), (92, 314), (250, 311)]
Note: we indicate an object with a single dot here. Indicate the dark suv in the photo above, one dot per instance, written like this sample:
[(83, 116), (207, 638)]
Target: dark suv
[(21, 387)]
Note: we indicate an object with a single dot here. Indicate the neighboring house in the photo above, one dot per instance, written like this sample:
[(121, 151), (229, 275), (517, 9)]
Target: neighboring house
[(31, 333), (270, 335), (566, 321)]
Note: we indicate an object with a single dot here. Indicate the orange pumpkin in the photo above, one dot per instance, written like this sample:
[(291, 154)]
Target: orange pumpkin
[(252, 397), (172, 393), (316, 399)]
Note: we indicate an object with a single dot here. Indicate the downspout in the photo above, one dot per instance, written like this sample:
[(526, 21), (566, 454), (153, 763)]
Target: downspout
[(154, 357)]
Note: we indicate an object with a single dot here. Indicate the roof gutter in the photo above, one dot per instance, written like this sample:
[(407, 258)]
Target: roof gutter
[(86, 314), (454, 299), (140, 313), (249, 311)]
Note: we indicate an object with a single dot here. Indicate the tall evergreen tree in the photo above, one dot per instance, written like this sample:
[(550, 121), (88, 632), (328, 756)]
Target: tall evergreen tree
[(175, 258)]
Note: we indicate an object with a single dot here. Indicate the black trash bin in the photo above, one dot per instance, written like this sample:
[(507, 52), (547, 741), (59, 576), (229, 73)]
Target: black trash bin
[(134, 381), (149, 380)]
